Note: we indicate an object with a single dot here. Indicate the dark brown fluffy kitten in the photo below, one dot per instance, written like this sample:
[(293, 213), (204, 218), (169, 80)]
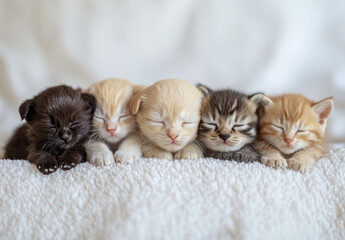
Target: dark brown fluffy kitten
[(229, 122), (58, 123)]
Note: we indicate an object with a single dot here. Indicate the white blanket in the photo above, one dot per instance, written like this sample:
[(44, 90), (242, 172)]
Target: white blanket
[(161, 199)]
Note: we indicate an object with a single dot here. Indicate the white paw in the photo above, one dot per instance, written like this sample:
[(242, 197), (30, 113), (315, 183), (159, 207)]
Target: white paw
[(274, 162), (122, 156), (302, 166), (101, 158), (187, 154)]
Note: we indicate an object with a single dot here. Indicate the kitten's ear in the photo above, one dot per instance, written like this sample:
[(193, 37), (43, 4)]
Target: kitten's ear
[(90, 100), (260, 99), (204, 90), (135, 103), (323, 109), (26, 109)]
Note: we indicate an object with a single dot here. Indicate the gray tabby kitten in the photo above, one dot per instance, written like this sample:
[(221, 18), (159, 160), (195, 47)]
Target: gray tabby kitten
[(229, 122)]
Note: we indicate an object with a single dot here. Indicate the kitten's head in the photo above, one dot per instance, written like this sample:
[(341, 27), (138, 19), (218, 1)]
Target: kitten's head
[(229, 118), (294, 122), (112, 119), (59, 116), (168, 113)]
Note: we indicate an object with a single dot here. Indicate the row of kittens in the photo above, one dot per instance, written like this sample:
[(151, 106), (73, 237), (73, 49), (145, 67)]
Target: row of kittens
[(115, 120)]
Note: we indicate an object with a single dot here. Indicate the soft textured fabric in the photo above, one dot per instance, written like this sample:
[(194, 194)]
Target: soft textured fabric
[(161, 199)]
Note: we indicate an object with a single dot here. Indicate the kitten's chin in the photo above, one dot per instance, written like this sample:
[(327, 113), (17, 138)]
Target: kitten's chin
[(288, 151), (283, 148), (172, 147), (225, 148), (63, 145), (113, 139)]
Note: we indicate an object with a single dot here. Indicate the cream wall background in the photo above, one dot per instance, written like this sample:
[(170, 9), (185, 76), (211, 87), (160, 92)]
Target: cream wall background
[(251, 45)]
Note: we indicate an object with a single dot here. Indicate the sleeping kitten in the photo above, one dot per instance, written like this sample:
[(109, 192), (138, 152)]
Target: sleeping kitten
[(228, 124), (168, 114), (292, 131), (112, 122), (58, 124)]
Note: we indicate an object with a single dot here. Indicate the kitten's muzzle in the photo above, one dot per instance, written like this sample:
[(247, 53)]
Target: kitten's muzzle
[(111, 127), (288, 140), (111, 131), (173, 137), (224, 136), (65, 135)]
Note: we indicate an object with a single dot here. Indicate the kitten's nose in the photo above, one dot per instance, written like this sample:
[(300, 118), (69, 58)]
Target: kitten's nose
[(224, 136), (65, 135), (173, 136), (111, 127), (288, 140), (111, 130)]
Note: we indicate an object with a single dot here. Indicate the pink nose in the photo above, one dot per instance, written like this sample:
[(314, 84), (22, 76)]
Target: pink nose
[(111, 127), (111, 130), (288, 140), (173, 136)]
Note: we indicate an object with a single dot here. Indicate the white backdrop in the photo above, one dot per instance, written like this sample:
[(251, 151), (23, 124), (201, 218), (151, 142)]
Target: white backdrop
[(251, 45)]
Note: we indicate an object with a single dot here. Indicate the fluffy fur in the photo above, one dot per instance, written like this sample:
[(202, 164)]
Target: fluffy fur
[(168, 114), (292, 131), (229, 123), (58, 124), (112, 122)]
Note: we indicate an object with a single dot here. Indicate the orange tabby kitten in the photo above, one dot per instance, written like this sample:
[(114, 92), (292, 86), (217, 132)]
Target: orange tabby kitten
[(112, 123), (292, 131)]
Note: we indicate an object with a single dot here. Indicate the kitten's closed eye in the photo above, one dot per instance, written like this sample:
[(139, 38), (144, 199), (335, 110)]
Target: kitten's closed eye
[(211, 125), (124, 116), (156, 122), (301, 131), (279, 128), (239, 126), (188, 124), (52, 130), (74, 124)]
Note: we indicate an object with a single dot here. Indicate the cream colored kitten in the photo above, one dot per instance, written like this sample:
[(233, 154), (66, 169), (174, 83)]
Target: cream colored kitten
[(168, 114), (112, 122)]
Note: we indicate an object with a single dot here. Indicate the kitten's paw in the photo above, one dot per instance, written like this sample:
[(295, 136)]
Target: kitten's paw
[(302, 166), (101, 158), (185, 154), (70, 160), (274, 162), (159, 155), (125, 157), (47, 165)]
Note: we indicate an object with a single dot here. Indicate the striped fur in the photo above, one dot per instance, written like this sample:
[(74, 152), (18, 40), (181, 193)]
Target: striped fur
[(229, 122)]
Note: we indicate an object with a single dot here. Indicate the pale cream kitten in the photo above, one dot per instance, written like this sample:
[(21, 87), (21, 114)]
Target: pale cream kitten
[(168, 114), (112, 122)]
